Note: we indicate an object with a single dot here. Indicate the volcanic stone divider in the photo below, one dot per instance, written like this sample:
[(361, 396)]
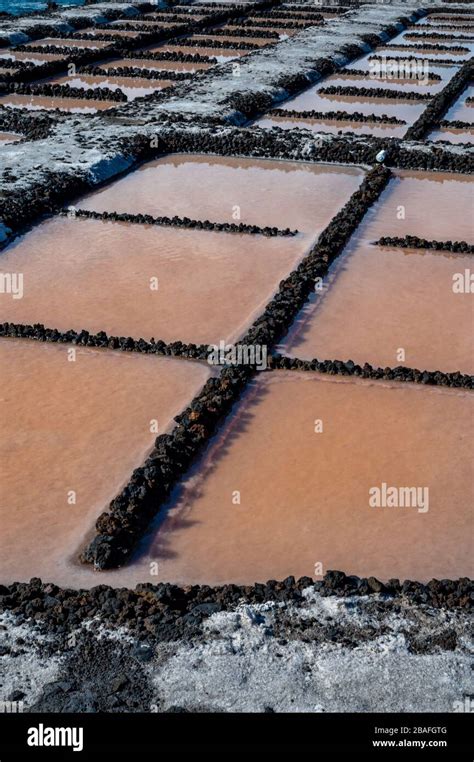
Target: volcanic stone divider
[(415, 60), (119, 48), (172, 613), (223, 32), (374, 92), (413, 242), (440, 103), (309, 16), (189, 42), (336, 116), (282, 24), (438, 36), (349, 368), (133, 72), (129, 514), (456, 124), (38, 332), (181, 222), (66, 91), (169, 55), (442, 48), (32, 126), (20, 210), (303, 145), (364, 73), (450, 27)]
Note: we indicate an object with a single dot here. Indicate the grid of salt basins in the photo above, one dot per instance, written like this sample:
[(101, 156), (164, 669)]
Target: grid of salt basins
[(300, 453), (124, 66), (133, 277), (401, 76)]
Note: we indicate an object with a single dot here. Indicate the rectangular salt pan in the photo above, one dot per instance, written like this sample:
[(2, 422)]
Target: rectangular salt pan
[(72, 433), (273, 496)]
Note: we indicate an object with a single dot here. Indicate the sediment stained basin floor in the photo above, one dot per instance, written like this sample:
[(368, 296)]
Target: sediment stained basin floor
[(378, 300), (304, 495), (80, 425)]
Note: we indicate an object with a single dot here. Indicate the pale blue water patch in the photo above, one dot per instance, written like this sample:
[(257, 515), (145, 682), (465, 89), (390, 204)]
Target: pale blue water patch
[(17, 7)]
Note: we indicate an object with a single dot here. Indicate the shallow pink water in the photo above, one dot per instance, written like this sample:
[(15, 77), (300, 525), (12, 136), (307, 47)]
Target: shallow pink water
[(460, 110), (276, 193), (70, 43), (378, 300), (132, 87), (79, 426), (379, 130), (34, 57), (210, 285), (311, 100), (9, 137), (304, 496), (38, 102), (458, 137), (142, 63)]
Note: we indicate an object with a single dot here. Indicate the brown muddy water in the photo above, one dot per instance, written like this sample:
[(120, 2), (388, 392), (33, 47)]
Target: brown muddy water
[(75, 427), (380, 300), (39, 102), (273, 496)]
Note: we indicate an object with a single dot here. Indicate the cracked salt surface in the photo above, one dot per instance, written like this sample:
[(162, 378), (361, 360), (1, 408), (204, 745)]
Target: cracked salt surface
[(23, 667), (242, 667)]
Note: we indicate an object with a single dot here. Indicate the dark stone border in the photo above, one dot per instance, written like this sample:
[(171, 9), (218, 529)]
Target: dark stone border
[(439, 36), (274, 24), (169, 55), (401, 373), (413, 242), (335, 116), (101, 340), (456, 124), (440, 103), (223, 32), (299, 145), (133, 72), (120, 528), (32, 126), (363, 73), (434, 46), (190, 42), (374, 92), (182, 222), (66, 91), (169, 611), (414, 59), (450, 27), (123, 45)]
